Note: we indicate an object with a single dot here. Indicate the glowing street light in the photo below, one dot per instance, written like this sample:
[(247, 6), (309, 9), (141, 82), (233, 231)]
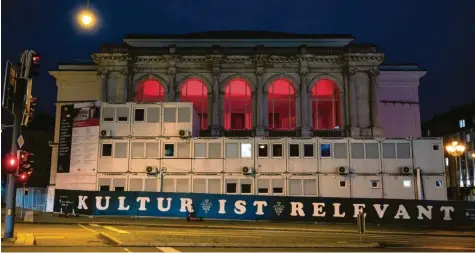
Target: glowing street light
[(456, 149), (86, 19)]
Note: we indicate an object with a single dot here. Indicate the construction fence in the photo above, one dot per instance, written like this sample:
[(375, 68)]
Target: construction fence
[(32, 198)]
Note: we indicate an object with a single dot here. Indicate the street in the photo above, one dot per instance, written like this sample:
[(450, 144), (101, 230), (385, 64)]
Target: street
[(94, 237)]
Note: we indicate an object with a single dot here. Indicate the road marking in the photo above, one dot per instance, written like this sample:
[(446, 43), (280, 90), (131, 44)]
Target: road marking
[(95, 225), (167, 249), (88, 229), (116, 230)]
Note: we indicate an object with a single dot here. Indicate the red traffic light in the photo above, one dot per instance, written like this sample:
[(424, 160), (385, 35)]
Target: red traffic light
[(11, 164), (36, 59)]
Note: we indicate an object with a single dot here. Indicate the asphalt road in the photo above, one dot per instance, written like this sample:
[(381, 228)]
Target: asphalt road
[(182, 249), (74, 238)]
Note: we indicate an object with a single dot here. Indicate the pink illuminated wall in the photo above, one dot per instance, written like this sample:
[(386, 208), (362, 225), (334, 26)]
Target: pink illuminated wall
[(325, 105), (237, 106), (281, 105), (399, 114), (196, 92), (149, 91)]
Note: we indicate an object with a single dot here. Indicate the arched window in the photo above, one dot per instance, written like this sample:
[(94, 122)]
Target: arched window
[(149, 91), (281, 105), (237, 105), (195, 91), (325, 105)]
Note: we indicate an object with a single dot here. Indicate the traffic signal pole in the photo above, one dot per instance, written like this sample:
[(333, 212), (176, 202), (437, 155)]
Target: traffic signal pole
[(19, 104), (11, 190)]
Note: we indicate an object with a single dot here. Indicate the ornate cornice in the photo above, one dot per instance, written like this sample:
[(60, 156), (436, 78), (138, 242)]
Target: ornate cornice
[(363, 60), (110, 59)]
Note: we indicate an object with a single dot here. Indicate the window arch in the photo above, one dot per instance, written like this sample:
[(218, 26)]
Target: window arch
[(196, 92), (281, 105), (325, 105), (149, 91), (237, 105)]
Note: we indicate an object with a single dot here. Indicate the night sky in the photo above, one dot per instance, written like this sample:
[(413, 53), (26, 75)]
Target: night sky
[(437, 34)]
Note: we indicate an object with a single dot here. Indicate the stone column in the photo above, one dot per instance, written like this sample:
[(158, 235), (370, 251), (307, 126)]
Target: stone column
[(353, 90), (171, 97), (216, 108), (304, 115), (260, 104), (374, 111), (103, 74), (125, 86)]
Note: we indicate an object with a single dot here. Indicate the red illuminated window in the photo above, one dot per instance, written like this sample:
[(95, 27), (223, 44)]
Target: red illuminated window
[(149, 91), (195, 91), (325, 105), (281, 105), (237, 105)]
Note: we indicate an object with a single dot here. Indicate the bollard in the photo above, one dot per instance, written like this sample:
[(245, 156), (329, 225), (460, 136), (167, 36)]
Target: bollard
[(361, 225)]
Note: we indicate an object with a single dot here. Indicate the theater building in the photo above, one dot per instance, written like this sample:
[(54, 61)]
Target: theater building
[(247, 113)]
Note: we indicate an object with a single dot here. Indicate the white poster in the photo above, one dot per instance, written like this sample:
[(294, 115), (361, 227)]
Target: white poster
[(85, 140)]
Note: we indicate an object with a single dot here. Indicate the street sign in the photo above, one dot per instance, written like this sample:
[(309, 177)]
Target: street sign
[(20, 141)]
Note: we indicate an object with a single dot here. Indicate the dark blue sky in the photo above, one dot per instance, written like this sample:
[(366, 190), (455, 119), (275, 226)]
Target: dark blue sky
[(437, 34)]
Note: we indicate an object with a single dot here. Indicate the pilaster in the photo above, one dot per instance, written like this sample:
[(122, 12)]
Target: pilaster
[(374, 85), (103, 73), (215, 101), (171, 96), (304, 109), (260, 129), (123, 90), (353, 103)]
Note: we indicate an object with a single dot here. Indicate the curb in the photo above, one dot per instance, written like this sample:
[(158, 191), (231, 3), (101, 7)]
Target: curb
[(119, 243), (203, 226), (110, 238)]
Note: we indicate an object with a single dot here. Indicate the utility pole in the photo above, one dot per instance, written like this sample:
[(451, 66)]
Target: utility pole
[(21, 99)]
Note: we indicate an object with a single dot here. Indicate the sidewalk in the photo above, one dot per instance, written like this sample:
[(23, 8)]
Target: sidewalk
[(48, 218)]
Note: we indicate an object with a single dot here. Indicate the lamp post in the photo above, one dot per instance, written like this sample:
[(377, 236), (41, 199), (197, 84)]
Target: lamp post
[(456, 149)]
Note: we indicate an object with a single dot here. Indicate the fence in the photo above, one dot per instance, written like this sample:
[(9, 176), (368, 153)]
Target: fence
[(35, 199), (272, 208)]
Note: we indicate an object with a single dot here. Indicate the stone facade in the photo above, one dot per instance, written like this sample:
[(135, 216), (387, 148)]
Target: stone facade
[(259, 59)]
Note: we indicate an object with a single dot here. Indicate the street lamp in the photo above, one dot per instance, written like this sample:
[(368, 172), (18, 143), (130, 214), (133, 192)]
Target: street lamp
[(86, 18), (456, 149)]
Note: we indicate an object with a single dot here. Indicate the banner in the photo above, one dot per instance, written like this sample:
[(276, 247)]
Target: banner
[(65, 137), (79, 138), (271, 208)]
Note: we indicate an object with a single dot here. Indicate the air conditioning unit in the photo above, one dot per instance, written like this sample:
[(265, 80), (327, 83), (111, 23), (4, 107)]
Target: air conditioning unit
[(406, 170), (247, 170), (151, 170), (106, 133), (342, 170), (184, 134)]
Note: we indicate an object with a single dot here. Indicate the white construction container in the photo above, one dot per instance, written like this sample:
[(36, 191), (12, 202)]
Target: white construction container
[(365, 156), (175, 155), (271, 155), (179, 120), (114, 155), (208, 155), (301, 155), (146, 120), (115, 120), (144, 153)]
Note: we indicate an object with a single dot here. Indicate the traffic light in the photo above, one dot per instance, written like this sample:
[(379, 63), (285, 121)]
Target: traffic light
[(35, 65), (30, 110), (11, 164), (26, 163), (22, 178)]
